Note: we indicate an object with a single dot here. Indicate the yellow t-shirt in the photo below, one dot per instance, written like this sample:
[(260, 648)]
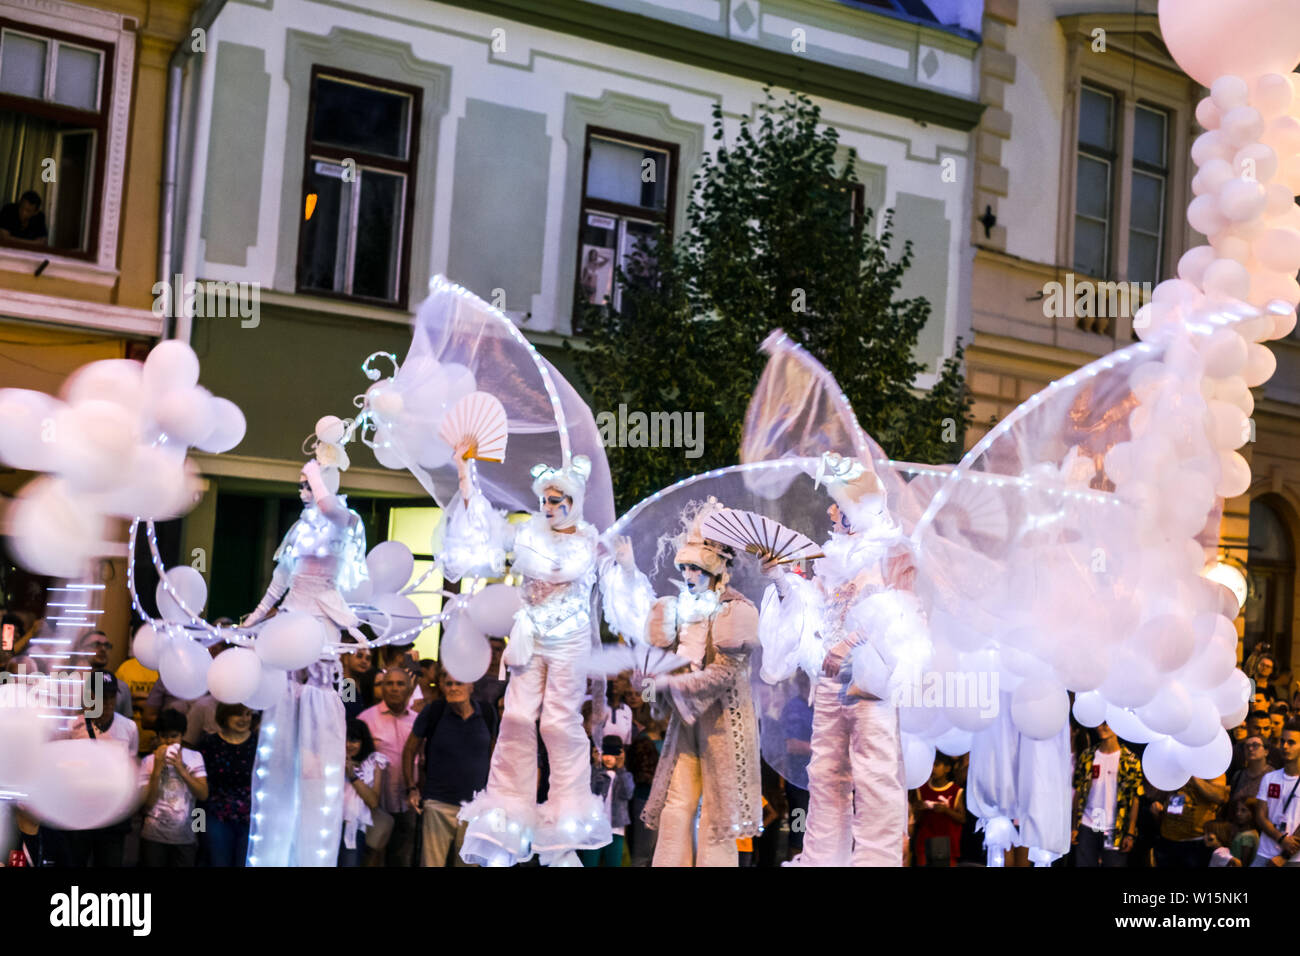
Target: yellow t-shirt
[(141, 680)]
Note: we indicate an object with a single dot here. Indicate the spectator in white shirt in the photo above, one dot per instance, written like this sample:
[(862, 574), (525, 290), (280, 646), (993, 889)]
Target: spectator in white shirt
[(103, 846), (1277, 813), (173, 778)]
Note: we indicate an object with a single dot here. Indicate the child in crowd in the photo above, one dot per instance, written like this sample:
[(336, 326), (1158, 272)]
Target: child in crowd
[(1218, 837), (612, 781), (364, 773), (940, 808), (173, 778), (1241, 813)]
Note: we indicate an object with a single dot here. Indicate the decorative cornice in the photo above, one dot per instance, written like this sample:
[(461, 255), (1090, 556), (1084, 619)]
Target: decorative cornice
[(680, 44), (101, 317)]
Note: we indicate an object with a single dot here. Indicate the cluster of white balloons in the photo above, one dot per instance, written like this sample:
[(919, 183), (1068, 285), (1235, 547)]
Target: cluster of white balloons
[(72, 784), (256, 675), (112, 445), (408, 410)]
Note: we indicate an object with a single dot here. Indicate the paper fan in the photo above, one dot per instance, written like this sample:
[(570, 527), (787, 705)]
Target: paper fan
[(971, 508), (760, 535), (613, 659), (480, 419)]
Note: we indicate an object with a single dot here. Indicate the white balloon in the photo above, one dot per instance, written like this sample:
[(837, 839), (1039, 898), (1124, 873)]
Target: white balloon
[(1203, 213), (1202, 726), (465, 654), (229, 427), (183, 666), (169, 366), (330, 428), (435, 453), (1235, 718), (27, 429), (1169, 712), (188, 583), (1131, 681), (162, 484), (23, 733), (870, 672), (95, 442), (1261, 363), (1227, 425), (399, 614), (1166, 641), (391, 565), (1194, 262), (1236, 475), (1231, 693), (493, 609), (120, 381), (270, 688), (234, 675), (361, 594), (1227, 278), (1212, 40), (83, 784), (1039, 708), (1224, 350), (1272, 95), (1162, 766), (1207, 114), (1089, 708), (147, 646), (385, 451), (954, 742), (1256, 161), (54, 532), (1128, 726), (290, 641), (187, 415), (1241, 126), (918, 761), (1208, 760)]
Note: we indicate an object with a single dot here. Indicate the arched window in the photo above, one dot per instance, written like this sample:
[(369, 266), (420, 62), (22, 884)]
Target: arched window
[(1271, 576)]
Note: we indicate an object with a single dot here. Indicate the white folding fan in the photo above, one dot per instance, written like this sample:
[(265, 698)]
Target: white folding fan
[(760, 535), (479, 419), (645, 659)]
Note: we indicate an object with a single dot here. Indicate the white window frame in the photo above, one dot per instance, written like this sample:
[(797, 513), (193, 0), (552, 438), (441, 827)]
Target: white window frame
[(107, 27)]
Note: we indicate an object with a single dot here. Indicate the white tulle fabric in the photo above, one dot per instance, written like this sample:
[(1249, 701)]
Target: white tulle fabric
[(460, 344)]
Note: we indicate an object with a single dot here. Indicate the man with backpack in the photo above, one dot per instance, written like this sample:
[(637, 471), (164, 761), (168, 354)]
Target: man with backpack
[(455, 735)]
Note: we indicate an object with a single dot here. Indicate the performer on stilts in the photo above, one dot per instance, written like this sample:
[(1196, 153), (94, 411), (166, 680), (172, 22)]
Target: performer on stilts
[(297, 809), (710, 759), (548, 655), (857, 812)]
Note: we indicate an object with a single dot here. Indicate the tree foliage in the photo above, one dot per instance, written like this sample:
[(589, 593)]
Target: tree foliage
[(772, 241)]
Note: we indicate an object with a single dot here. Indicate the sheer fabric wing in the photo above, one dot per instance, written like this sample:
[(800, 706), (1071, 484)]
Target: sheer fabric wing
[(461, 344)]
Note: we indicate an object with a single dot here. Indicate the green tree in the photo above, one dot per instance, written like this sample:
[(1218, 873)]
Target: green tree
[(772, 241)]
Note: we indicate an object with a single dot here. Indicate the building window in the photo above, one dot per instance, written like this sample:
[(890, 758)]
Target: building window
[(1147, 202), (1094, 184), (629, 185), (54, 91), (1271, 585), (358, 188)]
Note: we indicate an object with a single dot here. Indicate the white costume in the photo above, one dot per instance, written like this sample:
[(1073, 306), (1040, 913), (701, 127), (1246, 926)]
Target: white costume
[(857, 812), (548, 654), (709, 764), (298, 778)]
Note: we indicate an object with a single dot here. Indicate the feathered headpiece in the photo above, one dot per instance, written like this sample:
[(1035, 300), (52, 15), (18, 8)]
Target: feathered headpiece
[(852, 484), (327, 447)]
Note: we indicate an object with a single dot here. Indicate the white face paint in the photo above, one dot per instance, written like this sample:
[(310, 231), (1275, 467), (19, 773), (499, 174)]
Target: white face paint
[(839, 521), (556, 506), (697, 581)]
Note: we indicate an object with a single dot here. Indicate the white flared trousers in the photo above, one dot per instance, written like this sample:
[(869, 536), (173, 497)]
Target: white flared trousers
[(676, 844), (550, 687), (857, 803)]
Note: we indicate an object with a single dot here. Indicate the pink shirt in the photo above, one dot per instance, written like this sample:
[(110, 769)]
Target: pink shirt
[(390, 732)]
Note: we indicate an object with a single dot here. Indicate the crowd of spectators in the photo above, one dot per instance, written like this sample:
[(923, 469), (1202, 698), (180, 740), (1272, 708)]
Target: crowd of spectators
[(419, 744)]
